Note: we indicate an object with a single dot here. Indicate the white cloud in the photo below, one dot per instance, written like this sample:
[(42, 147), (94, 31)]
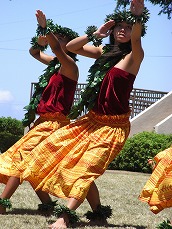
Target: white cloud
[(5, 96)]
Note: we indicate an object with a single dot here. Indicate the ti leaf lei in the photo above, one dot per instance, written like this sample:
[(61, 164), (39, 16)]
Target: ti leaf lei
[(35, 45), (90, 93), (128, 17), (53, 67)]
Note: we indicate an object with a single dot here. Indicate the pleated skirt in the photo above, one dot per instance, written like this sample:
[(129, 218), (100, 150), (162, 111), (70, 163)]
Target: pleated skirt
[(157, 191), (69, 160), (14, 161)]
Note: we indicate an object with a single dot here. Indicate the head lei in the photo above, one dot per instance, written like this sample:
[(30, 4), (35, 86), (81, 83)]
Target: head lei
[(58, 29), (128, 17)]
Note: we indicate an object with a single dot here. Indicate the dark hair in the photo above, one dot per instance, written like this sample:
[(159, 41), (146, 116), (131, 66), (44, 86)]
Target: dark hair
[(114, 52)]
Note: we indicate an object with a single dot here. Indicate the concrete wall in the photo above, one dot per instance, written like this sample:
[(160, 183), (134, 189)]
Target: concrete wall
[(165, 126), (154, 115)]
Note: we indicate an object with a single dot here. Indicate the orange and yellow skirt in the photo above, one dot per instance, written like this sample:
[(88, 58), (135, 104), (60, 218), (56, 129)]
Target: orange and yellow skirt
[(157, 191), (15, 159), (70, 159)]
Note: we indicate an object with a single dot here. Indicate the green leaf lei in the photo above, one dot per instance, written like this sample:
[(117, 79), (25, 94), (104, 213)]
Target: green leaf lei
[(6, 203), (56, 29), (102, 212), (59, 209), (53, 67), (35, 45), (127, 16), (95, 77), (47, 207), (91, 37), (42, 31)]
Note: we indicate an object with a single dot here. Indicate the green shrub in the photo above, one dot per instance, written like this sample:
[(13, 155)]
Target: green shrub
[(11, 130), (11, 125), (138, 149), (7, 140)]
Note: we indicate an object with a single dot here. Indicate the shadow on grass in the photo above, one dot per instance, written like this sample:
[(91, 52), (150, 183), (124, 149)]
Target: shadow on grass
[(86, 224), (128, 226), (108, 225), (18, 211), (25, 211)]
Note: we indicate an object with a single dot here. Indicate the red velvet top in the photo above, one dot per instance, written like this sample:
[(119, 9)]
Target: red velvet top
[(113, 98), (58, 96)]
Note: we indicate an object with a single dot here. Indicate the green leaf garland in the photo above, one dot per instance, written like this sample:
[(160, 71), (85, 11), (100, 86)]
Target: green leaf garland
[(96, 74), (35, 45), (30, 115), (102, 212), (57, 29), (6, 203), (60, 209), (53, 67), (128, 17), (91, 37)]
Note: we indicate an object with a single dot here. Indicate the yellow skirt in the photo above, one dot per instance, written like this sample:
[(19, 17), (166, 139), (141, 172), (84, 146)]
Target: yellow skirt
[(15, 159), (157, 191), (67, 162)]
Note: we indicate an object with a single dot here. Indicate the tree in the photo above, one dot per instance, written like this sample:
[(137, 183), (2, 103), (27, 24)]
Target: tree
[(11, 130), (166, 5)]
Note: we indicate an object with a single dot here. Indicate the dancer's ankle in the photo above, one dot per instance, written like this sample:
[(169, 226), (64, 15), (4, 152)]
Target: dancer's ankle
[(69, 216), (101, 212), (2, 210), (4, 203), (47, 208)]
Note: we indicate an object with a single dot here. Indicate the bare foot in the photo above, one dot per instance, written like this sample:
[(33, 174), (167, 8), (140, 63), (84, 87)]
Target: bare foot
[(2, 210), (61, 223)]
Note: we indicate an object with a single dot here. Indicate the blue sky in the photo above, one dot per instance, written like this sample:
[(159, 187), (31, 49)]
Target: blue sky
[(18, 24)]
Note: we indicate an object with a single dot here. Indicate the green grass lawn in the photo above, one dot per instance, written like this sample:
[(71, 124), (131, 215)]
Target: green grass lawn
[(119, 189)]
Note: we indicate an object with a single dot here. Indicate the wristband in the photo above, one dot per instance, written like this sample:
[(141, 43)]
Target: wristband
[(35, 44), (48, 30), (43, 31), (91, 37)]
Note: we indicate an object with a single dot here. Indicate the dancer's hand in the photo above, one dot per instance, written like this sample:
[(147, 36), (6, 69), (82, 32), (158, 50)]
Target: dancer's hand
[(42, 40), (104, 30), (41, 18), (137, 7)]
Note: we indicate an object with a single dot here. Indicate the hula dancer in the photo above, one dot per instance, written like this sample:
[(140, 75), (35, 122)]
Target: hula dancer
[(52, 99), (157, 191), (67, 162)]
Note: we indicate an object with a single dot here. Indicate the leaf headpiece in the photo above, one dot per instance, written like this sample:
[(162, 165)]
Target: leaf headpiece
[(128, 17), (58, 29)]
